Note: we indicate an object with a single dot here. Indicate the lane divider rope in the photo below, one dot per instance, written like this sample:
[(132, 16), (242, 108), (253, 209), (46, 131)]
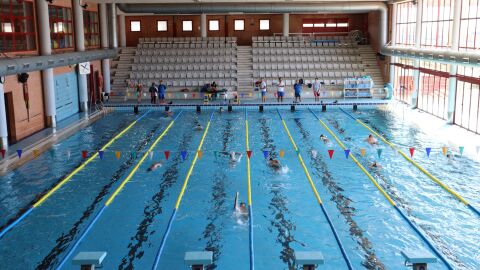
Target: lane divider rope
[(418, 166), (69, 177), (317, 196), (384, 193), (115, 193), (249, 190), (179, 198)]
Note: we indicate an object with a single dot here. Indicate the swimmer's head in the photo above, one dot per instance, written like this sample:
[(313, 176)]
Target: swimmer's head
[(271, 159), (242, 204), (370, 136)]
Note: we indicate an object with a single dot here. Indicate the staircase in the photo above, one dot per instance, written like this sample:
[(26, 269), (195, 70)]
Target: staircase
[(244, 70), (369, 60), (120, 68)]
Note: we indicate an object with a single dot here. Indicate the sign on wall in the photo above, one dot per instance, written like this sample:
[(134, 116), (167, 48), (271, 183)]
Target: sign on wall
[(84, 68)]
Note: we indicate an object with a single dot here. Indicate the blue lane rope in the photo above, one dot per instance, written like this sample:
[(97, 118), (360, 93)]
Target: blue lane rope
[(164, 239), (250, 238), (29, 211)]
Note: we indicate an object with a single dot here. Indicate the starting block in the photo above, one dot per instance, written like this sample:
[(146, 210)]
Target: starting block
[(198, 259), (89, 260), (309, 260), (418, 259)]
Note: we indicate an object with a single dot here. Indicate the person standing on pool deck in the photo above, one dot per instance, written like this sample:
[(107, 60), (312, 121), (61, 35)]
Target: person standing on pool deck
[(316, 89), (153, 93), (297, 87), (280, 90), (263, 88), (139, 93), (161, 91)]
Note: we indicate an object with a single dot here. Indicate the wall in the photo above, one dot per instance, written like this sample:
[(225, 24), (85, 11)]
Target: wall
[(22, 126), (373, 30), (226, 22)]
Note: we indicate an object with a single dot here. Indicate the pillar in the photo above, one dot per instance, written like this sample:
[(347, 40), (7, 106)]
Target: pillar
[(416, 73), (286, 24), (121, 29), (112, 15), (3, 120), (393, 42), (203, 25), (80, 47), (104, 44), (452, 82), (43, 25)]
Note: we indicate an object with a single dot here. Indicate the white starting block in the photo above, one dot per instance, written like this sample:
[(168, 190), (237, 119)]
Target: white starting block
[(89, 260), (418, 259), (309, 260), (198, 259)]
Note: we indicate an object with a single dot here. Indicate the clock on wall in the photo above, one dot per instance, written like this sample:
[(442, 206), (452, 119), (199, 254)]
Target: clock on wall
[(84, 68)]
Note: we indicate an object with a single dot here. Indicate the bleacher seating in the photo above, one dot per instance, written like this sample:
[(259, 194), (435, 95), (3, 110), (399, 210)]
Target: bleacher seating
[(330, 58), (188, 62)]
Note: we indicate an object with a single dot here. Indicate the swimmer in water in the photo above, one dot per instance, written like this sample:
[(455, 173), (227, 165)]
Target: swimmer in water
[(324, 139), (154, 166), (221, 109), (198, 127), (235, 157), (371, 140), (275, 164), (375, 165), (240, 209), (168, 113)]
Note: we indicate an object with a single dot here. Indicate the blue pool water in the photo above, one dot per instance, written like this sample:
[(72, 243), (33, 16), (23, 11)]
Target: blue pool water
[(286, 215)]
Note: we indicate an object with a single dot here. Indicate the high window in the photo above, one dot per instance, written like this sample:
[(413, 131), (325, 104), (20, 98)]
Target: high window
[(187, 26), (239, 25), (135, 26), (470, 25), (264, 24), (437, 20), (213, 25), (162, 26), (433, 88), (467, 100), (325, 25), (17, 27), (91, 28), (61, 27), (406, 18)]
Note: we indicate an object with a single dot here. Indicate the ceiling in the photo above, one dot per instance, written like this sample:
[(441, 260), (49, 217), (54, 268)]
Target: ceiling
[(228, 1)]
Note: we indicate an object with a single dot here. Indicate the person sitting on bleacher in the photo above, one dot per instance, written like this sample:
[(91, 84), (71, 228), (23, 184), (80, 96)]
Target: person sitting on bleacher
[(161, 91)]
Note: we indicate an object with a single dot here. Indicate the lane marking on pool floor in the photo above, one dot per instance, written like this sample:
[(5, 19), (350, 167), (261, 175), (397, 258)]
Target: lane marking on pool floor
[(116, 192), (249, 192), (69, 176), (317, 196), (180, 196), (418, 166), (385, 194)]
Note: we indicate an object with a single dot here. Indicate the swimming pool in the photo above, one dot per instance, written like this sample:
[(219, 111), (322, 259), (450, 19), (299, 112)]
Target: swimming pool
[(286, 214)]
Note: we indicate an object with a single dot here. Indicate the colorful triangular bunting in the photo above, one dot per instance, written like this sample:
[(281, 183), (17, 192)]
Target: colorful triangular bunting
[(428, 149), (330, 153), (347, 152), (19, 153)]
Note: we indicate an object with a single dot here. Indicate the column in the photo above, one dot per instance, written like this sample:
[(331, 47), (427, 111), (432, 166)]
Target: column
[(416, 73), (121, 27), (104, 44), (452, 82), (393, 41), (112, 14), (80, 47), (3, 120), (203, 25), (286, 24), (46, 49)]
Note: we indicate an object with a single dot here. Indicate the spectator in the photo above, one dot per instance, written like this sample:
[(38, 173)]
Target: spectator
[(280, 90), (263, 88), (161, 91), (297, 87), (153, 93), (139, 92)]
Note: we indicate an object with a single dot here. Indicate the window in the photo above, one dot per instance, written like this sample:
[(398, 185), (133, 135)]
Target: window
[(331, 25), (467, 100), (437, 20), (91, 28), (61, 27), (135, 26), (162, 26), (404, 82), (318, 25), (325, 25), (17, 27), (433, 88), (406, 23), (187, 26), (307, 25), (213, 25), (470, 25), (344, 25), (264, 24), (239, 25)]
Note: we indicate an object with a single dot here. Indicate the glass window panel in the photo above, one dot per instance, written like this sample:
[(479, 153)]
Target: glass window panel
[(264, 24)]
